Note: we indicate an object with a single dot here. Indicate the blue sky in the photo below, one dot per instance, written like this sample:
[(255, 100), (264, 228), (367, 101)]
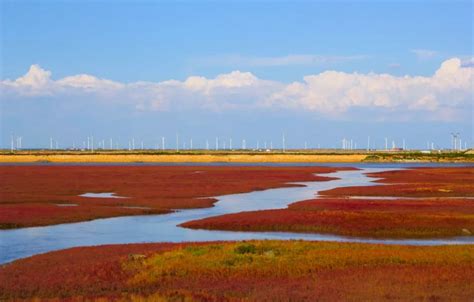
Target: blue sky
[(257, 69)]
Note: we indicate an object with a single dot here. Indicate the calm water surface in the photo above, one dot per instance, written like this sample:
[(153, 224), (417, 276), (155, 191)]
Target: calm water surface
[(20, 243)]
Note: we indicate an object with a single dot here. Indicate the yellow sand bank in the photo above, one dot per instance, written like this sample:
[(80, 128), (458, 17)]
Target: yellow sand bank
[(177, 158)]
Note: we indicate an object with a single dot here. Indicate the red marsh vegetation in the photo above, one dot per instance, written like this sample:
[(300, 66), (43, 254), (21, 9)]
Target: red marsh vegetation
[(399, 218), (417, 182), (356, 217), (30, 195), (250, 271)]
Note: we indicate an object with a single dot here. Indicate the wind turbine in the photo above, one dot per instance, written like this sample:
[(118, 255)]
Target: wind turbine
[(177, 142), (455, 140), (283, 142)]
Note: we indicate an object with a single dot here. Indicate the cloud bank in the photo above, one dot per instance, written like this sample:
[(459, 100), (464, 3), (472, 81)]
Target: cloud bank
[(446, 95)]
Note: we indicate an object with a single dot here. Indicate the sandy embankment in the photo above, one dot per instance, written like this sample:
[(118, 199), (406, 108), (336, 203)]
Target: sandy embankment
[(176, 158)]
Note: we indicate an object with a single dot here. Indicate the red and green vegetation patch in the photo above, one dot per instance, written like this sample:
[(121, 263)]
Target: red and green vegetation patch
[(403, 218), (418, 182), (29, 195), (252, 271), (356, 217)]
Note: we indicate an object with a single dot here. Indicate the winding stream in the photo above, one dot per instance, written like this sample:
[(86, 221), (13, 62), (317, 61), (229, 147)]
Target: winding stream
[(20, 243)]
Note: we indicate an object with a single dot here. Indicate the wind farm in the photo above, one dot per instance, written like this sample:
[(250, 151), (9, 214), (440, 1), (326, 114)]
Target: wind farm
[(223, 151)]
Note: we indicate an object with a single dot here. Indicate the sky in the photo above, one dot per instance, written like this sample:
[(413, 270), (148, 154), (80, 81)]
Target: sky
[(316, 71)]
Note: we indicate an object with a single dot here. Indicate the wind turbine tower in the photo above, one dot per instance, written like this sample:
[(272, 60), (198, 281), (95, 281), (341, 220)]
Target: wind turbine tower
[(283, 143), (177, 142)]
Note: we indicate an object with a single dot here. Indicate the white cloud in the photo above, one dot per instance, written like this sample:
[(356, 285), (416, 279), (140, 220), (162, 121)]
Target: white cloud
[(337, 92), (33, 82), (88, 82), (424, 54), (443, 95)]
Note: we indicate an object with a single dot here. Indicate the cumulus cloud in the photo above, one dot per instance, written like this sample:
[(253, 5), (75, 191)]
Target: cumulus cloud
[(35, 81), (335, 92), (443, 95)]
